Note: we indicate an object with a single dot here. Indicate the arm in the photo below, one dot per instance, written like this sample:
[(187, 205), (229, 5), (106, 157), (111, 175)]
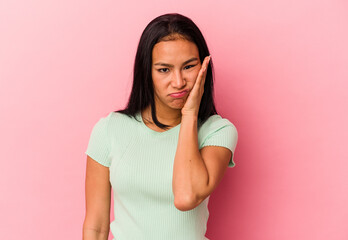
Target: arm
[(98, 198), (196, 173)]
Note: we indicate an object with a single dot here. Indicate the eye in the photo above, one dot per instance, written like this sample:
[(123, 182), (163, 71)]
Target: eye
[(162, 69), (190, 66)]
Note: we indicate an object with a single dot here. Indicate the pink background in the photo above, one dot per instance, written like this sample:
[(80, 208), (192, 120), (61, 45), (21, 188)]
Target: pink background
[(281, 78)]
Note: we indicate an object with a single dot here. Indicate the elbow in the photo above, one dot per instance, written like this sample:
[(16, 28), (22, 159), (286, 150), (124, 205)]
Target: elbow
[(185, 203)]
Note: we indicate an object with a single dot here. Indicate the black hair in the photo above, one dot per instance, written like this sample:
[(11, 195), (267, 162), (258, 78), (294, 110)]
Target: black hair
[(163, 28)]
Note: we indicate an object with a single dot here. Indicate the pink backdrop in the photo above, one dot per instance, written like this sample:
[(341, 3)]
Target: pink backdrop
[(281, 78)]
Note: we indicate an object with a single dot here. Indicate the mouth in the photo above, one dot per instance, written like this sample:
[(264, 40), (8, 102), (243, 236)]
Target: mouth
[(179, 94)]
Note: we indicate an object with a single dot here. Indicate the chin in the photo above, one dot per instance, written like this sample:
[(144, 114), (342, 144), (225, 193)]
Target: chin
[(177, 106), (178, 102)]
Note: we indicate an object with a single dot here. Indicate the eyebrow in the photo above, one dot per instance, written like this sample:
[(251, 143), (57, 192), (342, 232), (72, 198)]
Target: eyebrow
[(170, 65)]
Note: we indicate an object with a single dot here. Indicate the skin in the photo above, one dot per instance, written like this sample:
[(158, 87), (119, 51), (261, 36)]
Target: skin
[(98, 201), (178, 77), (193, 174), (196, 172)]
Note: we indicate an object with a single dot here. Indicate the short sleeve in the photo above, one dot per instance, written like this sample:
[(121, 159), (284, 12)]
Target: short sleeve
[(220, 132), (98, 146)]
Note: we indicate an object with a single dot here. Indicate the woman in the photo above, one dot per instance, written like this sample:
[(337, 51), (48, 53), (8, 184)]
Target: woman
[(165, 153)]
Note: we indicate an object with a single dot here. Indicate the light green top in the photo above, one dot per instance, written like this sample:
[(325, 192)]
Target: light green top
[(140, 161)]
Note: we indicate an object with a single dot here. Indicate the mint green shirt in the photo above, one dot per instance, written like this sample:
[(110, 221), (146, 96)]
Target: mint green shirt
[(140, 161)]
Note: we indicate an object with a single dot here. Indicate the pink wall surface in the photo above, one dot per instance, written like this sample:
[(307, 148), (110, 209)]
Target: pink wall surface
[(281, 78)]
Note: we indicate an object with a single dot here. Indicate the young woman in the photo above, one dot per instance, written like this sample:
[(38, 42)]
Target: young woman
[(166, 152)]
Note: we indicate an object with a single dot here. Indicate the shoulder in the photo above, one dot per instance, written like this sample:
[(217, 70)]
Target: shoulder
[(110, 120), (214, 123), (217, 131), (121, 125), (116, 118)]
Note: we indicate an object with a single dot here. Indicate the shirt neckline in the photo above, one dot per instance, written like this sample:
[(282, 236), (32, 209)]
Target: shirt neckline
[(151, 131)]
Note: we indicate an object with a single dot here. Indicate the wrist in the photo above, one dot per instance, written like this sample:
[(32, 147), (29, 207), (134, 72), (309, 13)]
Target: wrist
[(189, 117)]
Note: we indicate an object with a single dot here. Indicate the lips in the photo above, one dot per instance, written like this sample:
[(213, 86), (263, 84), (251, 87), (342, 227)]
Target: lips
[(179, 94)]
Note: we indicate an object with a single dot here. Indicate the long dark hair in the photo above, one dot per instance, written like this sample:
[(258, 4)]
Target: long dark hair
[(159, 29)]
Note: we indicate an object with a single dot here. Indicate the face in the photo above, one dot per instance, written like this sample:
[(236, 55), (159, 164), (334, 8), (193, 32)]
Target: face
[(175, 67)]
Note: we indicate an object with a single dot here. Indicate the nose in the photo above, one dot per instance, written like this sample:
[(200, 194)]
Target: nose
[(178, 80)]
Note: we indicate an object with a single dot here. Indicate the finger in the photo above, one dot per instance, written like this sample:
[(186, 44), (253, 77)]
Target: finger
[(202, 72), (206, 63), (203, 80), (207, 60), (205, 66)]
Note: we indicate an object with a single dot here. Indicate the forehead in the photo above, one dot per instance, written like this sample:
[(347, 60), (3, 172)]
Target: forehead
[(174, 49)]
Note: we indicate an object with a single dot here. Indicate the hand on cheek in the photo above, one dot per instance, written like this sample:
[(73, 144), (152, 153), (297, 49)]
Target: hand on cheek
[(191, 107)]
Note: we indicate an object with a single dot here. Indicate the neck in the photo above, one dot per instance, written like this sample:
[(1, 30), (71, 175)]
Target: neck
[(171, 118)]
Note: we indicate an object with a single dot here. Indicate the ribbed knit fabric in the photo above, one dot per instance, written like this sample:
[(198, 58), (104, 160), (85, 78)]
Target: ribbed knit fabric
[(140, 161)]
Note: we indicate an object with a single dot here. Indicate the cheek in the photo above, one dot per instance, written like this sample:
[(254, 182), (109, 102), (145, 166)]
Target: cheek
[(159, 86), (192, 76)]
